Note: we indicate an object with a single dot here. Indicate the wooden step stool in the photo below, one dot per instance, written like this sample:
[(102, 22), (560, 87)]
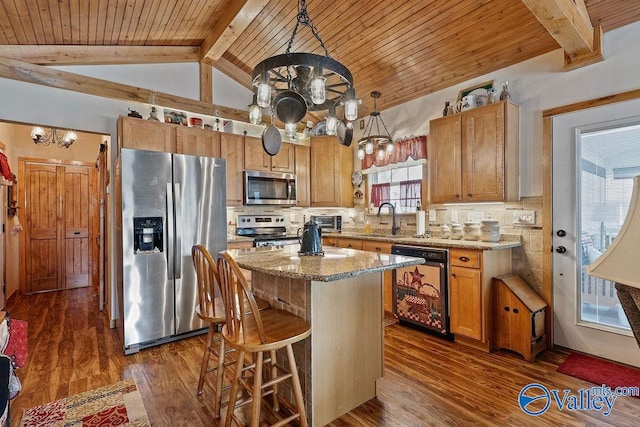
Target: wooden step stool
[(519, 312)]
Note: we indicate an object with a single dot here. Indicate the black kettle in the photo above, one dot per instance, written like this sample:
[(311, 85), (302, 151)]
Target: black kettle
[(311, 241)]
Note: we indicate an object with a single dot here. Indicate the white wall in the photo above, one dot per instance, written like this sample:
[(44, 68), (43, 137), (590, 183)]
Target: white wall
[(536, 85)]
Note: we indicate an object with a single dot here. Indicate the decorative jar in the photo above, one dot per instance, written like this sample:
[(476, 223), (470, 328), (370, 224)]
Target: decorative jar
[(445, 231), (471, 231), (456, 231), (490, 230)]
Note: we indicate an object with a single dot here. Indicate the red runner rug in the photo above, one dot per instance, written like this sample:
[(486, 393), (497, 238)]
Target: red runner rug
[(113, 405), (599, 371)]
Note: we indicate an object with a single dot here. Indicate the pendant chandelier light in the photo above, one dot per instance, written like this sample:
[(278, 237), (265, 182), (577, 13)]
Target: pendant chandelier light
[(41, 137), (373, 138), (294, 83)]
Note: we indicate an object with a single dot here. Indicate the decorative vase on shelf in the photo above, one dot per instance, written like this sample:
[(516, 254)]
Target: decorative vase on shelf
[(153, 115), (505, 95), (447, 106)]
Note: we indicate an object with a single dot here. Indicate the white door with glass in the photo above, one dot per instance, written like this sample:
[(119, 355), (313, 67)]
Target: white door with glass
[(596, 154)]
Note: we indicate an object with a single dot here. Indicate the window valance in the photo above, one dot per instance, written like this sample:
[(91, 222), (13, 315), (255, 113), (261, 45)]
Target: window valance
[(414, 147)]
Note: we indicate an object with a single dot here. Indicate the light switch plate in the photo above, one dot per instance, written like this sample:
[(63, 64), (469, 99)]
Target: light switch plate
[(432, 215), (524, 217), (454, 216)]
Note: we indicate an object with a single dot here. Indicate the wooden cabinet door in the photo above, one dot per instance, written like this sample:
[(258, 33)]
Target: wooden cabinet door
[(465, 292), (385, 248), (255, 158), (284, 161), (147, 135), (302, 159), (349, 243), (197, 142), (331, 169), (445, 179), (232, 149), (330, 241), (483, 154)]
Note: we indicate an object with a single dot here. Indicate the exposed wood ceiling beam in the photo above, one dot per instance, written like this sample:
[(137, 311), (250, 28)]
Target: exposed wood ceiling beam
[(36, 74), (232, 71), (568, 23), (99, 55), (206, 82), (236, 18)]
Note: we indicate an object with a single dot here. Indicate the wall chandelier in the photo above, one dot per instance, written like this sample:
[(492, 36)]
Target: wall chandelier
[(294, 83), (370, 140), (42, 137)]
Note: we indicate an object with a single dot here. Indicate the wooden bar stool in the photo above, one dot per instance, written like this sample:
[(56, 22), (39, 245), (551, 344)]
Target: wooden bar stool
[(255, 333), (211, 310)]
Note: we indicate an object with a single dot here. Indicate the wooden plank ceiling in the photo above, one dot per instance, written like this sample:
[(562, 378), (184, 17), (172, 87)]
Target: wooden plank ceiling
[(405, 49)]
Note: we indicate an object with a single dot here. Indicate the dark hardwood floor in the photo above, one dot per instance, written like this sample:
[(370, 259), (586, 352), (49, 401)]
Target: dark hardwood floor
[(428, 381)]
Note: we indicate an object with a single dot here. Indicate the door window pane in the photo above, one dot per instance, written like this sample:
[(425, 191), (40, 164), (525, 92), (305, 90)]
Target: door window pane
[(609, 160)]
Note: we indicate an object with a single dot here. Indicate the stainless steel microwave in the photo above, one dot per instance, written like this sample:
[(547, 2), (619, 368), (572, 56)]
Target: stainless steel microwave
[(269, 188)]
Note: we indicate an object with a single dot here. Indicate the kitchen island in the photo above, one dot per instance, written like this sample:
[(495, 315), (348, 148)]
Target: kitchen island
[(340, 294)]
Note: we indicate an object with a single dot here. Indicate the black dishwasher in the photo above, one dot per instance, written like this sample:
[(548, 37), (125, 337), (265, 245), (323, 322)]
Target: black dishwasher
[(421, 292)]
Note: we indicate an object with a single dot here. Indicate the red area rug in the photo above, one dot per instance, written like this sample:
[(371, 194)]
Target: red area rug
[(599, 371), (113, 405)]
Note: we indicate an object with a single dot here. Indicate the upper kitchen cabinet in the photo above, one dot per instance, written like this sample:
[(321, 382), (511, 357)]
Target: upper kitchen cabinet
[(197, 142), (331, 169), (256, 159), (232, 149), (284, 161), (473, 155), (146, 135), (303, 187)]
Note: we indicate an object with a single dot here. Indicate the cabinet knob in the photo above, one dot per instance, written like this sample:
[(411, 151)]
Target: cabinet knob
[(457, 196), (464, 259), (515, 310), (506, 308), (469, 195), (453, 274), (378, 249)]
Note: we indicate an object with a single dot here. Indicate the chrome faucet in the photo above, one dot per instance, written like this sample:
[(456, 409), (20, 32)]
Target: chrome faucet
[(394, 229)]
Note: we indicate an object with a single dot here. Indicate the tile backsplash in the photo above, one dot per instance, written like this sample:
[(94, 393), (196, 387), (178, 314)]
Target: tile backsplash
[(526, 260)]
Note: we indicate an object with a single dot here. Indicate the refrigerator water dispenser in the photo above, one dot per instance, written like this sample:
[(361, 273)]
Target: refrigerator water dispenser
[(147, 235)]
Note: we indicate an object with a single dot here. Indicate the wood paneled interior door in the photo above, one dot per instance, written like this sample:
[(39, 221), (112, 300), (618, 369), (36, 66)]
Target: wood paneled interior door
[(61, 220)]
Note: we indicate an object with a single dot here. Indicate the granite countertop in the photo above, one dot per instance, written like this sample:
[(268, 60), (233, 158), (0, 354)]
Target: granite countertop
[(506, 241), (336, 264)]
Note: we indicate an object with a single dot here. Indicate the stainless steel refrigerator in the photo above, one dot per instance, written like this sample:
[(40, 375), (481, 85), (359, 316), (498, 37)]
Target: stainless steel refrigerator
[(169, 203)]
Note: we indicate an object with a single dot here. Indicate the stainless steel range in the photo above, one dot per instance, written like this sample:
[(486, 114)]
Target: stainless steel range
[(266, 230)]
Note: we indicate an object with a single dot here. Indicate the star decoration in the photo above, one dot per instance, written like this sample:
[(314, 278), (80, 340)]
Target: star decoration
[(416, 277)]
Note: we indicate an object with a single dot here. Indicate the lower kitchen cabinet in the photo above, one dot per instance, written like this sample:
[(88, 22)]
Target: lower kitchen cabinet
[(465, 291), (330, 241), (350, 243), (470, 276), (384, 248)]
